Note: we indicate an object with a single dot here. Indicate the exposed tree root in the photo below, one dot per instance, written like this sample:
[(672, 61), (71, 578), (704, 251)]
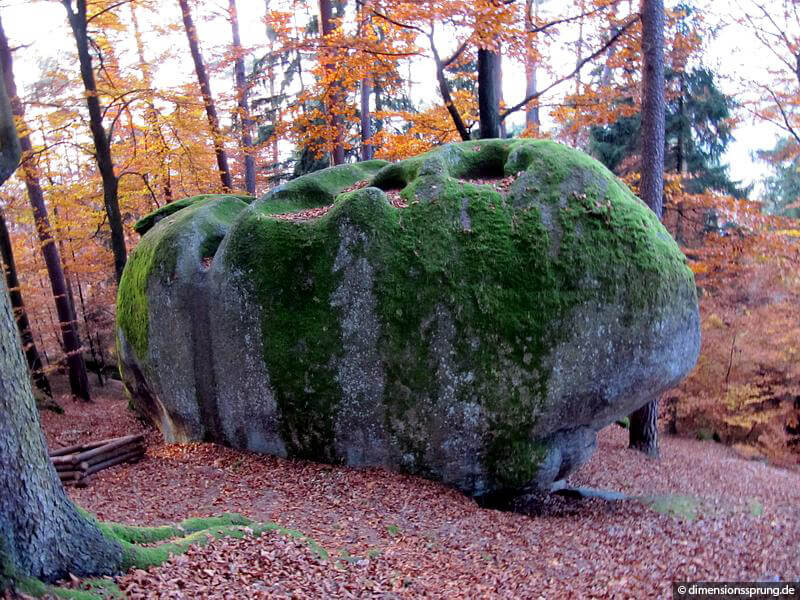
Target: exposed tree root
[(144, 547)]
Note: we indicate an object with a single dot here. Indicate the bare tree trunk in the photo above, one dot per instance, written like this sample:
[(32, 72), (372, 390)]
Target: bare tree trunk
[(653, 105), (271, 37), (367, 149), (78, 23), (579, 46), (644, 422), (643, 431), (151, 114), (10, 153), (326, 19), (532, 122), (378, 106), (68, 276), (208, 99), (679, 145), (23, 325), (245, 121), (42, 534), (578, 62), (488, 92), (97, 355), (65, 267), (500, 99), (78, 380)]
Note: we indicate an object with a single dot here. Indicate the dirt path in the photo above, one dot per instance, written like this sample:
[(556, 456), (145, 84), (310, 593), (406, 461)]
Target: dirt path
[(721, 518)]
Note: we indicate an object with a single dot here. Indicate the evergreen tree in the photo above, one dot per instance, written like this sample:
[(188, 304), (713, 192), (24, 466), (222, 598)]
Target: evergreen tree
[(782, 188), (697, 133)]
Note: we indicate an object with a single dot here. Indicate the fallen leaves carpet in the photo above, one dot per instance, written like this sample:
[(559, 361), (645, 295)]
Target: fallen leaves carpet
[(703, 514)]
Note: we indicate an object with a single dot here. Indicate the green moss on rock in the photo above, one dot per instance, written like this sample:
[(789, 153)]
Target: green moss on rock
[(319, 188), (147, 222), (454, 337), (157, 252)]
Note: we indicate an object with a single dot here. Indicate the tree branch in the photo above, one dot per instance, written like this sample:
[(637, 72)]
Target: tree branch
[(575, 71), (444, 89), (785, 117), (105, 10), (398, 23)]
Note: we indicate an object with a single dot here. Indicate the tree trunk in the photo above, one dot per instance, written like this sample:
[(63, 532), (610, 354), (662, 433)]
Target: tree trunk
[(10, 149), (367, 149), (42, 534), (326, 19), (97, 356), (77, 21), (241, 99), (208, 99), (643, 429), (500, 99), (23, 325), (653, 105), (578, 62), (78, 380), (488, 92), (151, 113), (376, 89), (532, 121), (272, 36), (644, 426), (679, 145), (67, 274)]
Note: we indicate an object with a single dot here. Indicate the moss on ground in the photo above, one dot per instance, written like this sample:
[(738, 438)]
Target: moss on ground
[(679, 507), (176, 540)]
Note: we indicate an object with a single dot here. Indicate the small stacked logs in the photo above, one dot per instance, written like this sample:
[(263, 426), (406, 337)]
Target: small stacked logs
[(75, 464)]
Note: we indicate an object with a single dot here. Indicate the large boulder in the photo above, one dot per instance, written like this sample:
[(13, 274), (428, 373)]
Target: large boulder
[(472, 315)]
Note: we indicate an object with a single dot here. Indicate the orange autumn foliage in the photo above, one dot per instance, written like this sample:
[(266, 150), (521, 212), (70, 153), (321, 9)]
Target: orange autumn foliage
[(744, 390), (163, 151)]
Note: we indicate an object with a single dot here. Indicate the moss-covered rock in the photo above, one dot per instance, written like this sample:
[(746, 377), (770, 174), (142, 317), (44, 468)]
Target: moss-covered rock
[(479, 335)]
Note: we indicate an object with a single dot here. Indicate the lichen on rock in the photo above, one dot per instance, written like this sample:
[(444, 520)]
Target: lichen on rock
[(478, 333)]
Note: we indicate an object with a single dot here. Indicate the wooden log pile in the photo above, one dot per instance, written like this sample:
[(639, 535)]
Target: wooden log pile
[(76, 464)]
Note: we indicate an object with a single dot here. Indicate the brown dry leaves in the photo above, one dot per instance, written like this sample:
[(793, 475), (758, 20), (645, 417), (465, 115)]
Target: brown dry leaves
[(395, 199), (303, 215), (500, 184), (394, 535), (356, 186)]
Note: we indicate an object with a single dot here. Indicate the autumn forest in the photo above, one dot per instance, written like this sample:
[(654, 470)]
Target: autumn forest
[(259, 135)]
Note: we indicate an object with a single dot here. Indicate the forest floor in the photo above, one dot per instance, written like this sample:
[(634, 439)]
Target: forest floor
[(701, 513)]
